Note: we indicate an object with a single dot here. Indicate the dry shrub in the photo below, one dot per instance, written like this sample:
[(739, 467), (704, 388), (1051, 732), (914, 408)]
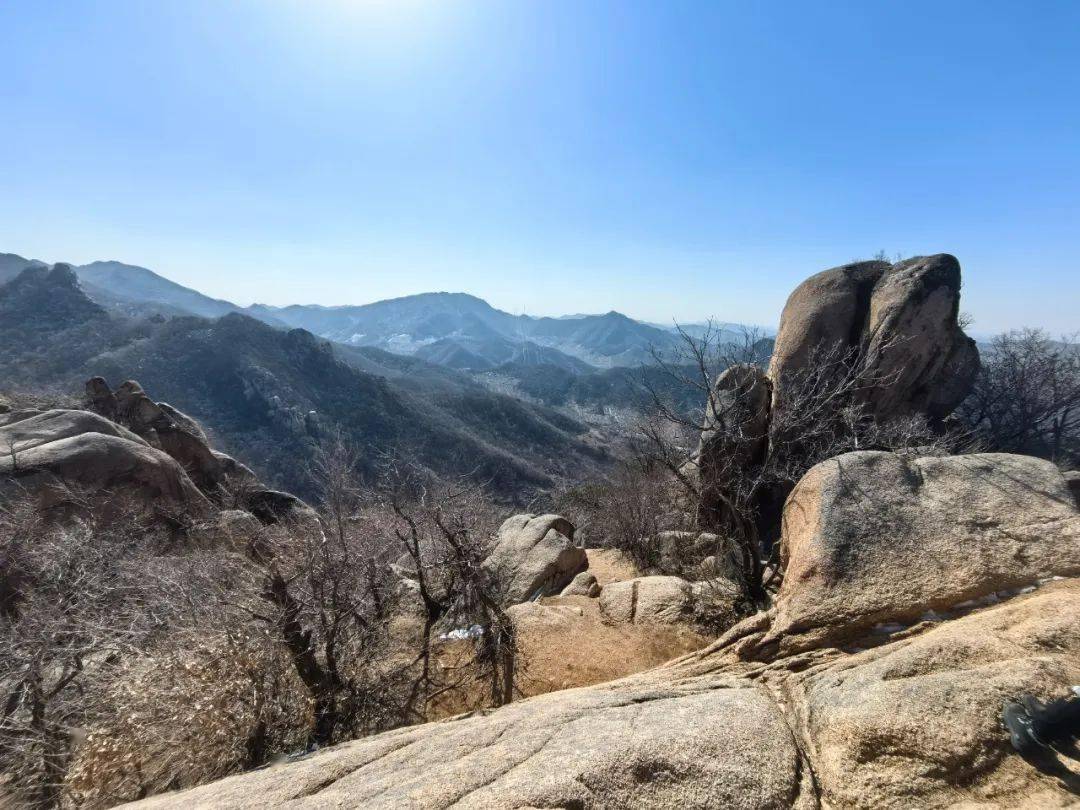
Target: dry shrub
[(199, 709), (627, 510), (147, 651)]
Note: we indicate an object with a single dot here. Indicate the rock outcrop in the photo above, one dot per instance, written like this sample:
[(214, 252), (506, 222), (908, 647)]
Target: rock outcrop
[(901, 317), (23, 430), (534, 555), (92, 461), (872, 538), (181, 437), (878, 339), (129, 444), (163, 427), (877, 681)]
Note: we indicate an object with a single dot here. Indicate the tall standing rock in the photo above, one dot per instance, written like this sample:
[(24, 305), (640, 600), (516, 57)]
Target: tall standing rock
[(912, 332), (900, 320), (882, 336)]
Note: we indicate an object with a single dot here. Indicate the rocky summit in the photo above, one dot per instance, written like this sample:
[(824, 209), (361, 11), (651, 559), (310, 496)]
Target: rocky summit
[(833, 599)]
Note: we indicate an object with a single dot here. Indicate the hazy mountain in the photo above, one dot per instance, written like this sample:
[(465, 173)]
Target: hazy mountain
[(11, 265), (453, 329), (482, 354), (129, 289), (125, 285), (270, 394), (477, 332)]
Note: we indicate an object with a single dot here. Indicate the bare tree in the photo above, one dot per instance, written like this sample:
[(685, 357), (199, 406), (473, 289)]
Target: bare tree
[(627, 509), (73, 604), (1026, 398), (447, 529), (325, 592)]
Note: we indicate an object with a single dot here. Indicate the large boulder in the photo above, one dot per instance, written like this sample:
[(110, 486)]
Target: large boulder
[(736, 426), (534, 556), (99, 462), (648, 600), (87, 450), (41, 427), (709, 606), (902, 318), (874, 537), (827, 309)]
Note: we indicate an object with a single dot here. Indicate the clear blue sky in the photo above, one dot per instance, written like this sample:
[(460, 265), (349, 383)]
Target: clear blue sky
[(666, 159)]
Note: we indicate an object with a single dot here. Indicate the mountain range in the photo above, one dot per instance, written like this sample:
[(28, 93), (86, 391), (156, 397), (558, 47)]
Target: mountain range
[(451, 329), (268, 395)]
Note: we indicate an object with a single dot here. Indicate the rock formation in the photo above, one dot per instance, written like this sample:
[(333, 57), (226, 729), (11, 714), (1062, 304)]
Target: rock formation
[(78, 448), (584, 584), (127, 443), (885, 336), (734, 436), (921, 594), (656, 599), (873, 538), (534, 555), (163, 427), (902, 317)]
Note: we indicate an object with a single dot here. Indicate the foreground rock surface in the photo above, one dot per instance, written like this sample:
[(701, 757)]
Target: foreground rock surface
[(911, 723), (872, 537)]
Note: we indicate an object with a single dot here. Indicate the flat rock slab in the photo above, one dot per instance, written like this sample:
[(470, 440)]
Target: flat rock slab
[(713, 742), (914, 722)]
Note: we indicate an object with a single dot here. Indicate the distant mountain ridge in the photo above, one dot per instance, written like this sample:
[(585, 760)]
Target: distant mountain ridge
[(271, 394), (470, 333), (454, 329)]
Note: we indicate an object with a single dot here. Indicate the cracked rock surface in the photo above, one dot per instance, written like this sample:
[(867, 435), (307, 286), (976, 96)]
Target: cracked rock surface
[(829, 711)]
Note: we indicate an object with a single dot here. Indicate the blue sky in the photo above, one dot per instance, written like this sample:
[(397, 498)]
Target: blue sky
[(669, 160)]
